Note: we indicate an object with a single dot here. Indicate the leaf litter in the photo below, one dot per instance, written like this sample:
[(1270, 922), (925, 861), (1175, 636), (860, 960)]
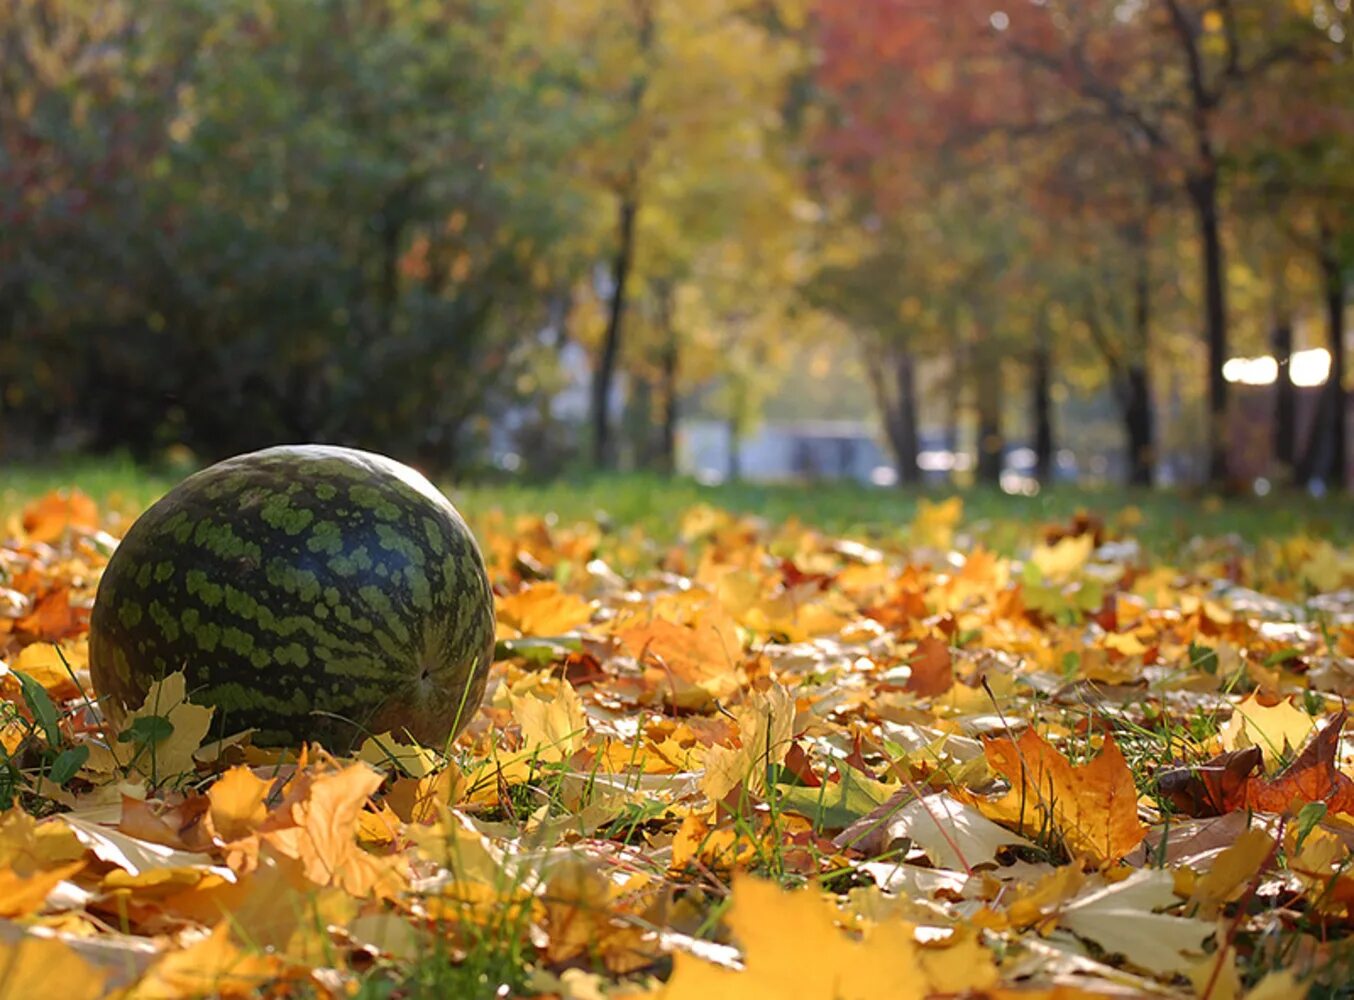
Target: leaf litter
[(757, 760)]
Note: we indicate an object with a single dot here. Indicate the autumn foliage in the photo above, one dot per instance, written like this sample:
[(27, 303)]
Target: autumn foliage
[(748, 760)]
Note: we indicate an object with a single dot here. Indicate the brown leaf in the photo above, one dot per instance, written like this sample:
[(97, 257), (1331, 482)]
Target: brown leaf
[(932, 668), (1212, 788), (1313, 777)]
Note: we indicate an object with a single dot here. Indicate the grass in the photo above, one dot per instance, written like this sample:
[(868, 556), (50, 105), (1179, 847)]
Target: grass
[(652, 505)]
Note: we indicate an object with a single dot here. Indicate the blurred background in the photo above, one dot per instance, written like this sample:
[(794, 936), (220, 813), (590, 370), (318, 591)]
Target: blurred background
[(889, 241)]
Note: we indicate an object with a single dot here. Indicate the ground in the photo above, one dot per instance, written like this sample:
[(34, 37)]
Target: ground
[(822, 742)]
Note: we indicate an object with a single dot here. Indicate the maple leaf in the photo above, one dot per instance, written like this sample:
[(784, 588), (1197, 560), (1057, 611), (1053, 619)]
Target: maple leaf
[(214, 966), (1234, 868), (932, 668), (1275, 729), (693, 665), (316, 825), (54, 617), (158, 739), (1314, 776), (1212, 788), (553, 729), (1094, 806), (27, 967), (543, 609), (792, 947), (952, 834), (24, 895), (837, 805), (1119, 917), (238, 803), (48, 666), (765, 730), (51, 516)]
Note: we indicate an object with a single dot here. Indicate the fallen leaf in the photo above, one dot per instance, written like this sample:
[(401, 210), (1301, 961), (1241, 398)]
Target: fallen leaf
[(28, 967), (766, 729), (51, 516), (213, 966), (1313, 777), (792, 948), (553, 729), (238, 803), (1093, 806), (1275, 729), (952, 834), (543, 609), (932, 668), (1119, 918)]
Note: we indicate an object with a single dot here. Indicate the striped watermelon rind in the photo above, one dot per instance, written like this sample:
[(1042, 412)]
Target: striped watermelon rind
[(309, 592)]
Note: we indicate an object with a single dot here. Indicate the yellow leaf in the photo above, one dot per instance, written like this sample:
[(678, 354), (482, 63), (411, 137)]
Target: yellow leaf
[(24, 895), (765, 727), (27, 846), (238, 803), (43, 662), (1234, 868), (1058, 562), (792, 948), (934, 524), (691, 664), (29, 966), (1216, 977), (542, 609), (214, 966), (159, 760), (553, 729), (385, 751), (1273, 728)]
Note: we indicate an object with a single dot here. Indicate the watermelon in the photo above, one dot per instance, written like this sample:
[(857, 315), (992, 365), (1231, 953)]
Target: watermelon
[(310, 593)]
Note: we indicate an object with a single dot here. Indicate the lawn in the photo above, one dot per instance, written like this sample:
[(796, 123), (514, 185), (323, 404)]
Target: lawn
[(813, 741), (1163, 521)]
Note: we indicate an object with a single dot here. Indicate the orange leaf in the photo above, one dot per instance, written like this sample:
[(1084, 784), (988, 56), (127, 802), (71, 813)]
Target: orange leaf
[(1094, 806), (22, 896), (693, 663), (48, 518), (54, 617), (238, 803), (213, 966), (542, 609), (932, 668)]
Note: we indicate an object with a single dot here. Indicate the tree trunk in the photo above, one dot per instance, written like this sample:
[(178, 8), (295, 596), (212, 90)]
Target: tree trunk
[(605, 375), (990, 442), (1328, 439), (669, 367), (1043, 408), (1335, 386), (895, 392), (1139, 420), (1139, 425), (1285, 398), (1203, 190)]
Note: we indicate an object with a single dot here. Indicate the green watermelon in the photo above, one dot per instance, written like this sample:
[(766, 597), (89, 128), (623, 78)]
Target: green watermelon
[(311, 593)]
